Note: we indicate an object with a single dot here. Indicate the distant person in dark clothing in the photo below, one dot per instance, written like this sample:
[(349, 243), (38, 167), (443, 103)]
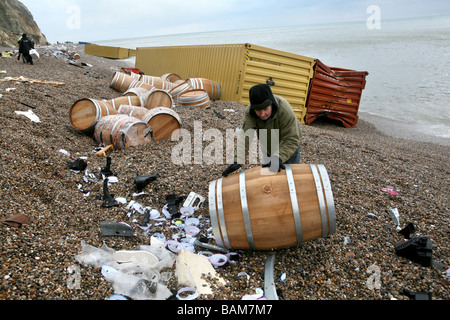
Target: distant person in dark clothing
[(25, 45)]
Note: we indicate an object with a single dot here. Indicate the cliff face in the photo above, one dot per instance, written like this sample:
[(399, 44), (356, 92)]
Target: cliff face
[(15, 19)]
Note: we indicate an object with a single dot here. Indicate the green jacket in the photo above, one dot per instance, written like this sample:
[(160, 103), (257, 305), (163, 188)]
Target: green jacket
[(284, 119)]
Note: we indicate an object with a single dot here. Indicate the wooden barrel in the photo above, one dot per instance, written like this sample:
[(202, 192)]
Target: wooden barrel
[(157, 82), (158, 98), (180, 89), (85, 113), (129, 101), (257, 210), (122, 131), (133, 111), (213, 88), (171, 77), (194, 99), (121, 81), (164, 122)]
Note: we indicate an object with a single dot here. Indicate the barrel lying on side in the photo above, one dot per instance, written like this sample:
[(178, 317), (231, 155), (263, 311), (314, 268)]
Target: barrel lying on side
[(164, 122), (194, 99), (85, 114), (256, 210), (122, 131)]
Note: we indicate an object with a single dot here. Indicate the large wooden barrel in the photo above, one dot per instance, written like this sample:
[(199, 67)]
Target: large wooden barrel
[(256, 210), (85, 113), (122, 131), (128, 100), (158, 98), (213, 88), (121, 81), (194, 99), (157, 82), (164, 122)]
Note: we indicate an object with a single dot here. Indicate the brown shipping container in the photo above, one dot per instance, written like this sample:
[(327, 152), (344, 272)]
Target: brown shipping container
[(335, 93)]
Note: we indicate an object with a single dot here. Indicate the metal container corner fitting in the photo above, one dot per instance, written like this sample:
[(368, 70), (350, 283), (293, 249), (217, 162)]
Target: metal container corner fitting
[(237, 68)]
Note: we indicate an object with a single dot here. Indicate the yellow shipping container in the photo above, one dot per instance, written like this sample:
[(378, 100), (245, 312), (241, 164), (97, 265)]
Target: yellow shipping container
[(237, 68), (108, 52)]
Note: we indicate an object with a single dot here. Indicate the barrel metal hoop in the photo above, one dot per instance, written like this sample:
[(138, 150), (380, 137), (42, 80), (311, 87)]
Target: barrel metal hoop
[(213, 213), (323, 210), (329, 198), (223, 226), (294, 202), (123, 81), (245, 211)]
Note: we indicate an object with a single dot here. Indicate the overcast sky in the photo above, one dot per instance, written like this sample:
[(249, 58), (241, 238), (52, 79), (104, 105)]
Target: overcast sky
[(96, 20)]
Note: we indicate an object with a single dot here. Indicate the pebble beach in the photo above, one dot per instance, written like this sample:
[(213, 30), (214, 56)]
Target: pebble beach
[(358, 262)]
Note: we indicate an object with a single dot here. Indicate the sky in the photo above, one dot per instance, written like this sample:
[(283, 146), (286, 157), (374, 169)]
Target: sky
[(89, 20)]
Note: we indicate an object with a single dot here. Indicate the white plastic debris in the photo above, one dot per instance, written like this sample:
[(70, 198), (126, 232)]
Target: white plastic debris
[(395, 217), (193, 296), (30, 115)]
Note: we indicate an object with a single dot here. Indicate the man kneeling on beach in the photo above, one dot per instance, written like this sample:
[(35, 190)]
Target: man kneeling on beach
[(277, 127)]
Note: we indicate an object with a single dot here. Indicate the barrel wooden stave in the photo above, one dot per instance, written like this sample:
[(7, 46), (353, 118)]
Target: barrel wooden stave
[(158, 98)]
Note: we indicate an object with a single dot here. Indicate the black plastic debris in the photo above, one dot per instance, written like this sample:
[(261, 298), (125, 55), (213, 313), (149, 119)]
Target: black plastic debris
[(408, 230), (173, 203), (106, 171), (418, 249), (416, 295), (116, 229), (142, 182), (77, 165), (108, 199)]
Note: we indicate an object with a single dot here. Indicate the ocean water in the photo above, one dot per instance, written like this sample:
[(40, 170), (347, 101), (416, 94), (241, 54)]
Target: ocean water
[(408, 60)]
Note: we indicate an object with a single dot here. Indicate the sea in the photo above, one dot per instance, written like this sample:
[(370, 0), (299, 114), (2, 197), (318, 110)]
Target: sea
[(408, 60)]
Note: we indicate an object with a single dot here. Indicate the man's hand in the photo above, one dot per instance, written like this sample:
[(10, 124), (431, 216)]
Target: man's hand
[(232, 168), (275, 165)]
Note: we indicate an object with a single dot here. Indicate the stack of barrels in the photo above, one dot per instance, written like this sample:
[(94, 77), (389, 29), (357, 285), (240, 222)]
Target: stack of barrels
[(144, 112)]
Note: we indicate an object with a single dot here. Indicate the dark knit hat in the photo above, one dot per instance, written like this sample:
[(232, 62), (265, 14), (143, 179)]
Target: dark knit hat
[(261, 97)]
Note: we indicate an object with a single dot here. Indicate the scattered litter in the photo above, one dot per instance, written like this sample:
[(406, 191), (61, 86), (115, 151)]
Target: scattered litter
[(210, 246), (390, 189), (108, 199), (283, 277), (17, 221), (78, 165), (269, 281), (35, 53), (395, 217), (193, 296), (418, 249), (244, 274), (30, 115), (140, 257), (3, 72), (33, 81), (218, 260), (346, 241), (187, 211), (116, 229), (117, 297), (10, 89), (192, 230), (103, 153), (370, 214), (191, 201), (191, 270), (416, 295), (142, 182), (259, 295), (408, 230)]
